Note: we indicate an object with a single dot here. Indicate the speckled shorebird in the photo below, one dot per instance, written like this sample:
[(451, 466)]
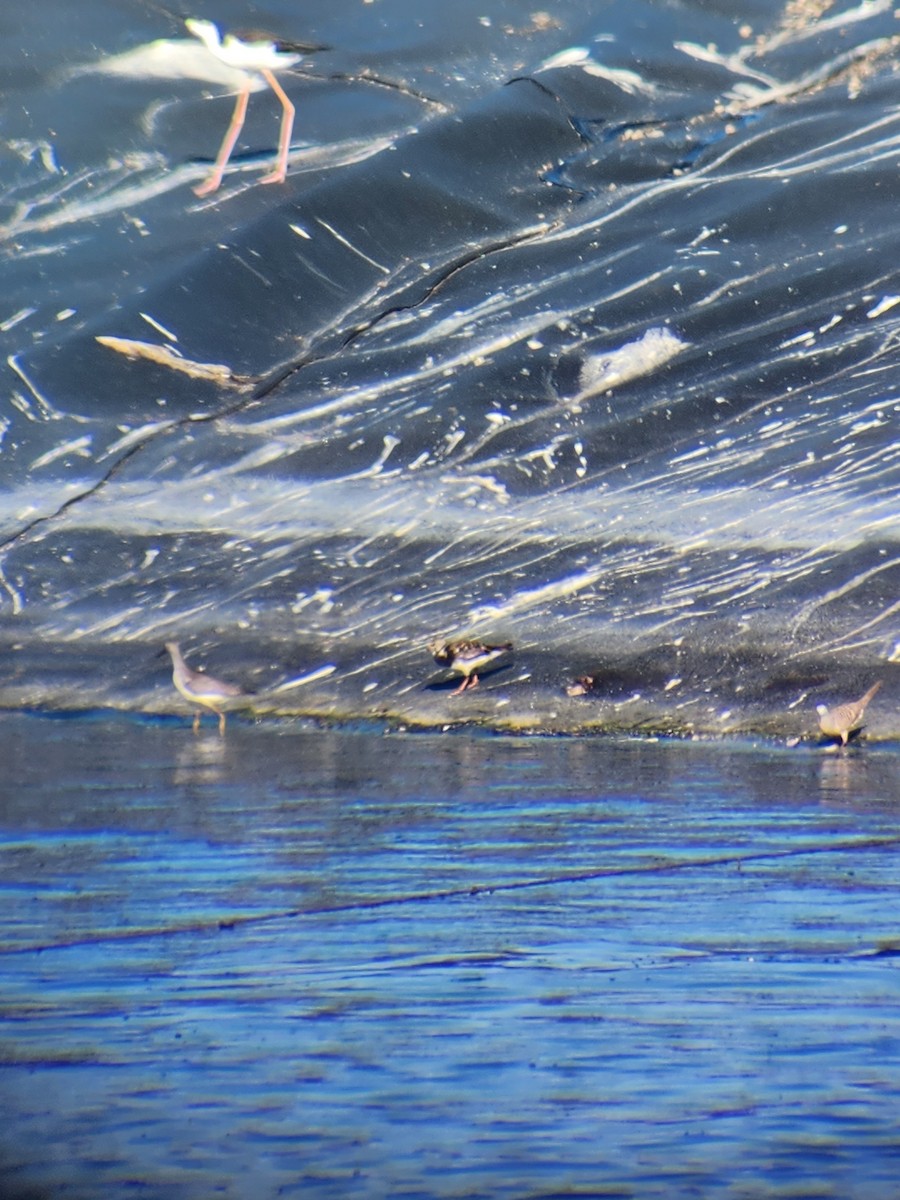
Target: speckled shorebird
[(199, 688), (263, 54), (466, 658), (844, 719), (580, 686)]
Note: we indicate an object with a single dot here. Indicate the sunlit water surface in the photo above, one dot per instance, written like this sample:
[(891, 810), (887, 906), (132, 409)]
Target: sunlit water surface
[(296, 961)]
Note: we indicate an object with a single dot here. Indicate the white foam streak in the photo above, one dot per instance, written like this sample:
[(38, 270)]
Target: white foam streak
[(602, 372)]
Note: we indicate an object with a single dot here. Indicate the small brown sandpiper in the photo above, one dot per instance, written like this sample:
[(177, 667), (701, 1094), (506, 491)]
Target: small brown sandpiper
[(467, 658)]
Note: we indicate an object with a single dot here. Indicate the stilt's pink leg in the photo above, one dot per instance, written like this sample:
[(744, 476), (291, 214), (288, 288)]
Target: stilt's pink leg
[(287, 125), (231, 136)]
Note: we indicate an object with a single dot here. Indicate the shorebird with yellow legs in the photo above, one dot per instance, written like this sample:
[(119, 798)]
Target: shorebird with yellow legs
[(201, 689), (258, 53)]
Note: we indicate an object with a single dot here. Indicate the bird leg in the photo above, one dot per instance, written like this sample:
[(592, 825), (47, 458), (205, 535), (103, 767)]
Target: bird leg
[(221, 723), (197, 716), (231, 136), (287, 125), (469, 681)]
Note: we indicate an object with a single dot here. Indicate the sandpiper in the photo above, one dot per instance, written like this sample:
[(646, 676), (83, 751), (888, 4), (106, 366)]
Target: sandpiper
[(467, 658), (251, 52), (199, 688), (844, 720)]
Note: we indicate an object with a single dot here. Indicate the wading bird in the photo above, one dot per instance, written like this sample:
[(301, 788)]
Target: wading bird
[(466, 658), (198, 688), (262, 53)]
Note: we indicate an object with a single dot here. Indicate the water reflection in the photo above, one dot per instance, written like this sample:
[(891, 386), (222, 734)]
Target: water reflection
[(200, 758), (437, 934)]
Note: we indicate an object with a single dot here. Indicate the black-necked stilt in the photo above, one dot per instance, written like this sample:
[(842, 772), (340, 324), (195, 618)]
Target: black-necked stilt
[(264, 54), (199, 688), (467, 658), (844, 720)]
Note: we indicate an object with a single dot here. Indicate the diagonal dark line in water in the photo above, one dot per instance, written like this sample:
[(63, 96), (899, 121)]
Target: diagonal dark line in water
[(256, 389), (265, 385), (391, 85), (96, 486), (275, 378), (371, 904), (115, 467)]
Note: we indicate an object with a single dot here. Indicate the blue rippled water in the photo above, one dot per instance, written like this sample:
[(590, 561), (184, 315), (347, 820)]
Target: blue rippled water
[(577, 330), (307, 962)]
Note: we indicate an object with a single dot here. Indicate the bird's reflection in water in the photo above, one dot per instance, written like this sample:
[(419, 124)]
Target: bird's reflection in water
[(839, 771), (201, 758)]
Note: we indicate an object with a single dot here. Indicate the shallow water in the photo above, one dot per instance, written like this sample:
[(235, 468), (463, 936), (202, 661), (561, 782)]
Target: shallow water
[(301, 961), (576, 331)]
